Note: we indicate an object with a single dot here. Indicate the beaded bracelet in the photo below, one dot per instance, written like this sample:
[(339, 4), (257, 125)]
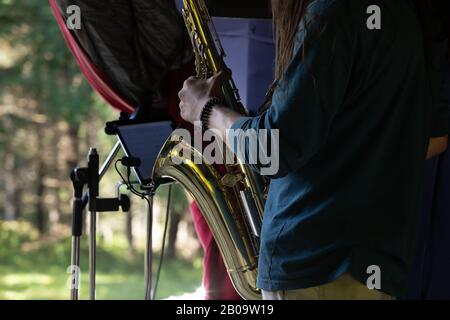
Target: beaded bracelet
[(207, 110)]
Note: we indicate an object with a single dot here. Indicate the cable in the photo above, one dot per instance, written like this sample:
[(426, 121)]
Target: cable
[(144, 196), (128, 183), (163, 246), (149, 251)]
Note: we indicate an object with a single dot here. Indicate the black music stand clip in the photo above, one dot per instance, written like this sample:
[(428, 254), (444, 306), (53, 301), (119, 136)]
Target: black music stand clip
[(90, 177)]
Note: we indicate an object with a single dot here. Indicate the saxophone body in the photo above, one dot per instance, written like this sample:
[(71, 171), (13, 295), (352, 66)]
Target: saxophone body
[(230, 197)]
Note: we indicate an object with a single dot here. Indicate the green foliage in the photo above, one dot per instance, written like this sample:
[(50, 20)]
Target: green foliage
[(180, 202), (45, 81), (35, 270), (12, 235), (43, 67)]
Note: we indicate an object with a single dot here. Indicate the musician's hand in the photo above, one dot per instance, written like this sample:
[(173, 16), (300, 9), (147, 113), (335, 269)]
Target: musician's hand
[(196, 93)]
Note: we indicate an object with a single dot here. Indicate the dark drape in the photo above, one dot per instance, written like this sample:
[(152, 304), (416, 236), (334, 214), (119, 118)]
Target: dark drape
[(135, 43)]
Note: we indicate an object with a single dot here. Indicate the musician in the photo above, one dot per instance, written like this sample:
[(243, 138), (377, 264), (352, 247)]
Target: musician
[(357, 108)]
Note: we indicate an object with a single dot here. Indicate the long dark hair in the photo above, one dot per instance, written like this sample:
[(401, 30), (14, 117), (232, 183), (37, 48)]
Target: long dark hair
[(287, 15)]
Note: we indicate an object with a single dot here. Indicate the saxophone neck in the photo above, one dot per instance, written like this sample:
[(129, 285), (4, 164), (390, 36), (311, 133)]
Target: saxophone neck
[(209, 53)]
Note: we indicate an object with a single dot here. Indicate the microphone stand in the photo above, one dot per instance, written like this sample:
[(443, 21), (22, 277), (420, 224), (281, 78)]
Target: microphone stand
[(79, 179), (90, 177)]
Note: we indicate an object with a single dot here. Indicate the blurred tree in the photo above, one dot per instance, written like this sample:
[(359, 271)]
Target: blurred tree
[(42, 92), (178, 209)]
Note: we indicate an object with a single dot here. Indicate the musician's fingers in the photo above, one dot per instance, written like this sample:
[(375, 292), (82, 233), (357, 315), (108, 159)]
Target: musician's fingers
[(190, 80), (217, 81), (221, 75), (228, 72)]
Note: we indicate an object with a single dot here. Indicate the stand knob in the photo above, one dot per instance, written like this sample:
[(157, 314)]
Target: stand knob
[(124, 202)]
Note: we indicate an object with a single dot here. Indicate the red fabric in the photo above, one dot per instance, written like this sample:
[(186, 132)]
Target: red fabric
[(216, 281), (92, 74)]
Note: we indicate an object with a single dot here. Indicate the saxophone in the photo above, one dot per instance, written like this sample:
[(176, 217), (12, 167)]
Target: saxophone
[(231, 200)]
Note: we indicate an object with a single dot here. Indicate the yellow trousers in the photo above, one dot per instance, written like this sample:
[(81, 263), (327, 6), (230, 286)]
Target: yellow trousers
[(344, 288)]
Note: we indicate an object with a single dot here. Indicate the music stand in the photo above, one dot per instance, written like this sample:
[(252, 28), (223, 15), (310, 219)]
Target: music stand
[(141, 141)]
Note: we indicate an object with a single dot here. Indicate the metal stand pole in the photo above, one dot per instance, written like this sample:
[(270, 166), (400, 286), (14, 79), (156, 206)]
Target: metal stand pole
[(92, 254), (75, 267), (79, 179), (93, 192), (149, 248), (93, 185), (168, 215)]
